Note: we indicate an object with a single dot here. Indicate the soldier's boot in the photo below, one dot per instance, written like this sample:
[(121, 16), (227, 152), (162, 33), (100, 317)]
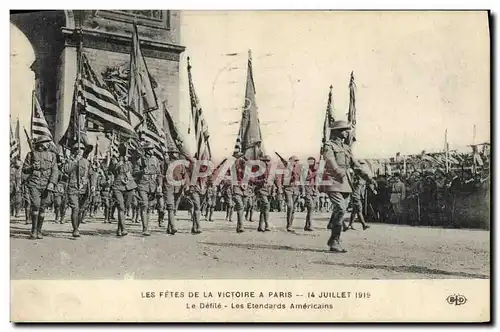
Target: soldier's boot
[(161, 217), (231, 214), (34, 225), (16, 209), (261, 222), (56, 211), (239, 224), (145, 222), (210, 214), (41, 218), (105, 214), (197, 221), (334, 241), (121, 224), (75, 222), (266, 221), (171, 223), (27, 215), (308, 227), (289, 220), (63, 214), (250, 215)]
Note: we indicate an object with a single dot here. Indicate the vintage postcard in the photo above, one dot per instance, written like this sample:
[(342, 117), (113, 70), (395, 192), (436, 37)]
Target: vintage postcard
[(250, 166)]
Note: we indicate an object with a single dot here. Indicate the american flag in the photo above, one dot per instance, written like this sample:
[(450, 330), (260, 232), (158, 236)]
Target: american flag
[(351, 116), (150, 132), (97, 105), (39, 126), (15, 148), (200, 125)]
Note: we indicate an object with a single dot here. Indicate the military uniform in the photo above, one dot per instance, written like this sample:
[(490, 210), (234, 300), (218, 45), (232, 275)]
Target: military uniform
[(250, 195), (227, 193), (398, 194), (15, 190), (264, 191), (42, 173), (60, 195), (81, 187), (167, 198), (238, 191), (195, 192), (291, 191), (211, 198), (106, 196), (147, 174), (309, 191), (122, 188), (339, 160)]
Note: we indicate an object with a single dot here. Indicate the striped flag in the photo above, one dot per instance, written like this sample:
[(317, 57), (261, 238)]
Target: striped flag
[(173, 139), (329, 120), (249, 139), (200, 125), (351, 115), (97, 104), (39, 126), (141, 95), (15, 147), (152, 134)]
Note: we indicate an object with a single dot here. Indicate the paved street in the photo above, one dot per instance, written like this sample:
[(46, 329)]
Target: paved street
[(381, 252)]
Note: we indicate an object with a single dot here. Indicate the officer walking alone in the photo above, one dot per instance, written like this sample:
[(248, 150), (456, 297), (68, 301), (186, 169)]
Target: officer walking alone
[(339, 161)]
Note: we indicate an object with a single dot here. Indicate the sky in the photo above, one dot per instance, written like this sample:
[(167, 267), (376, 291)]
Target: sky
[(417, 74)]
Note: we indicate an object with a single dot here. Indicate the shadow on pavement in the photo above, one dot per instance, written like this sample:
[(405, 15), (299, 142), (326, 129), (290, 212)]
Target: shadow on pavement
[(253, 246), (405, 269)]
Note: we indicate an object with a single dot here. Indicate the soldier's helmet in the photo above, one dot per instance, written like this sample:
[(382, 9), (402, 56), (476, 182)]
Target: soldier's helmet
[(293, 158), (340, 125), (40, 140), (266, 158), (147, 145)]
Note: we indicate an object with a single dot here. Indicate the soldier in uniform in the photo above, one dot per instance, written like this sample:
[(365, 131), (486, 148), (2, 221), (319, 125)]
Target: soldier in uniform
[(15, 188), (309, 191), (195, 192), (123, 186), (339, 160), (167, 198), (238, 190), (358, 190), (398, 194), (81, 184), (40, 166), (250, 194), (210, 200), (227, 191), (147, 174), (60, 196), (264, 191), (291, 191), (106, 196)]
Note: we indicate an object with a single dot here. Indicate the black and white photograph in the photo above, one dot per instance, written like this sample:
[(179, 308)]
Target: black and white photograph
[(316, 146)]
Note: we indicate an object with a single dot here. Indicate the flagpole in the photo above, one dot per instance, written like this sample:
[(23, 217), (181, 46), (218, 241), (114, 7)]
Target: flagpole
[(32, 111)]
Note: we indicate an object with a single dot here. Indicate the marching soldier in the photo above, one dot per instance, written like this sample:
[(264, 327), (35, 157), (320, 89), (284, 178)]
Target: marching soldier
[(147, 173), (249, 194), (40, 166), (60, 196), (81, 184), (358, 190), (309, 191), (123, 186), (264, 191), (227, 191), (210, 200), (15, 188), (195, 192), (339, 160), (291, 191), (238, 191), (106, 196), (167, 199)]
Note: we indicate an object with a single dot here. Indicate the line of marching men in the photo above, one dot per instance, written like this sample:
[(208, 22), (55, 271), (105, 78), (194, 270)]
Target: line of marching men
[(46, 178)]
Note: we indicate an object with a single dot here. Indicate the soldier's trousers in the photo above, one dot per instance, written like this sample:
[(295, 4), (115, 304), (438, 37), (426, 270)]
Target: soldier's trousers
[(239, 204), (249, 208), (60, 207), (339, 202), (194, 198), (16, 199), (291, 197), (146, 199), (123, 200), (264, 212), (167, 202), (78, 204), (39, 200), (309, 204)]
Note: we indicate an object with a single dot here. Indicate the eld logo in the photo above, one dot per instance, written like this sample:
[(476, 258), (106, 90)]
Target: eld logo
[(456, 299)]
